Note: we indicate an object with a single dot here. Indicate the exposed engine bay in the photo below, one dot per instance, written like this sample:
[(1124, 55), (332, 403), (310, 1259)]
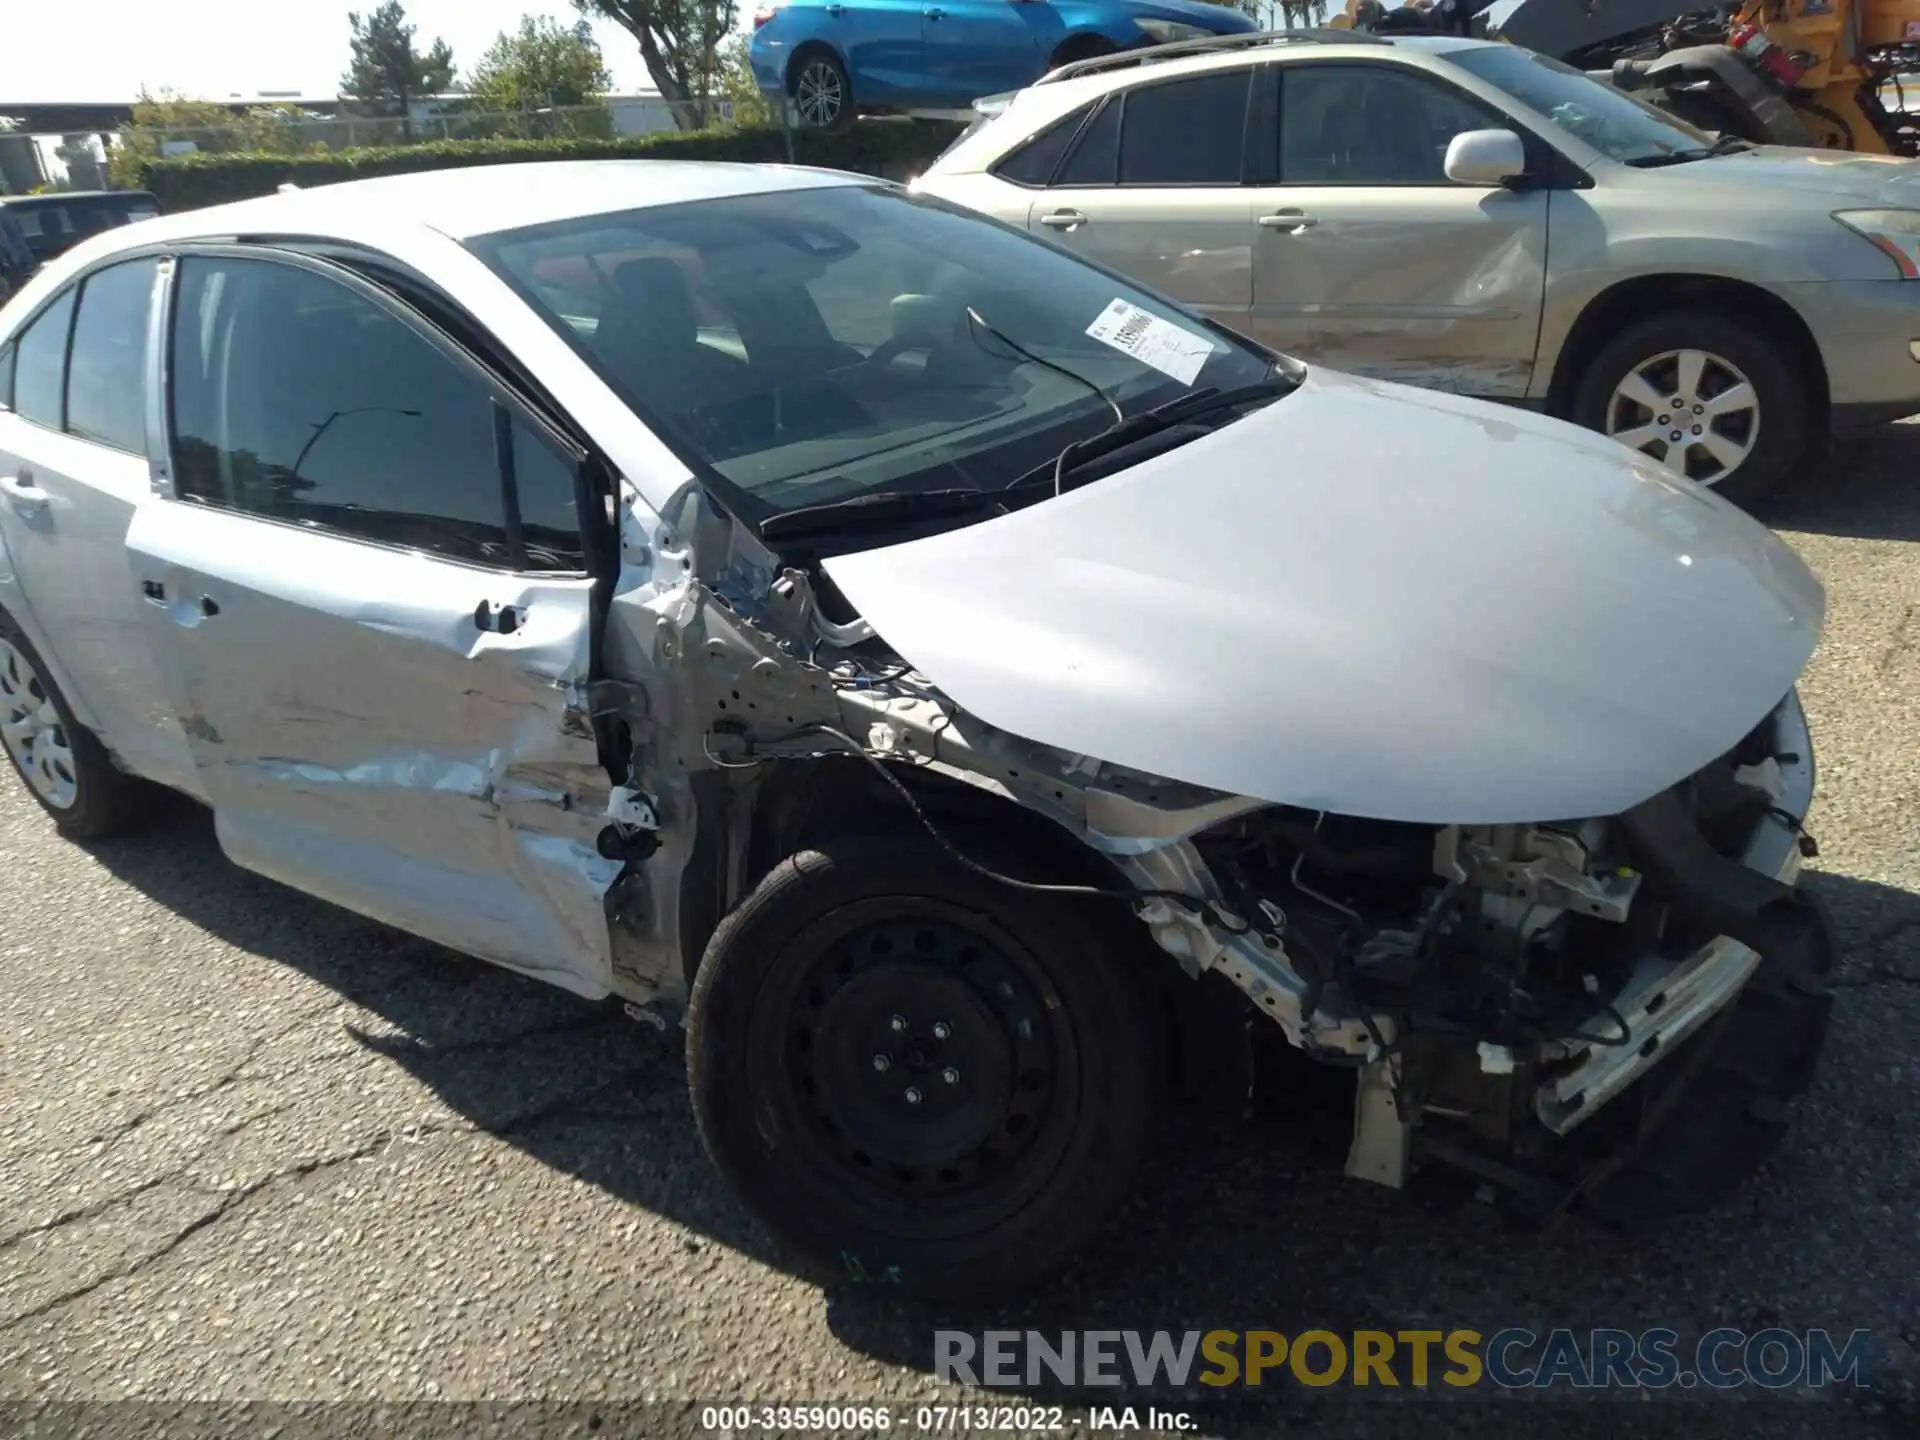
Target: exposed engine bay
[(1495, 986)]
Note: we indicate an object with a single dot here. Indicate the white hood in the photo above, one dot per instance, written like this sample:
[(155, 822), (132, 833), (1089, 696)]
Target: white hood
[(1367, 599)]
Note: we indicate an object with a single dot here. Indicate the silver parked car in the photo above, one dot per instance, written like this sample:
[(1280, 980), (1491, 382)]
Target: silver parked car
[(919, 652), (1474, 217)]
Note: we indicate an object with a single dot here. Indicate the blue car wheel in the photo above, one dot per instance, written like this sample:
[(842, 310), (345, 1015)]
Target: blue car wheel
[(821, 94)]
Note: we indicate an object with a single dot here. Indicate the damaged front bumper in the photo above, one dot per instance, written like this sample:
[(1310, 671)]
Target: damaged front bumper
[(1665, 1001)]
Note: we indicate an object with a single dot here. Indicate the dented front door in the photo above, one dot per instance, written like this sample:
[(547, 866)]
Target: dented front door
[(380, 673), (1369, 260)]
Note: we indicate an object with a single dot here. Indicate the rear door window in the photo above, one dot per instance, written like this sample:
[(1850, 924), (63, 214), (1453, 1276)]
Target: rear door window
[(1186, 132), (1096, 158), (106, 375), (1034, 162), (40, 364)]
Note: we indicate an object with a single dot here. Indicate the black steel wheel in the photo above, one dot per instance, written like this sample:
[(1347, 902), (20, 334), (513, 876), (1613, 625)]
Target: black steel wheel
[(916, 1075)]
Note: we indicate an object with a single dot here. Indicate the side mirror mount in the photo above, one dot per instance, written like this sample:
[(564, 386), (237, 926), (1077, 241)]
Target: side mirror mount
[(1485, 157)]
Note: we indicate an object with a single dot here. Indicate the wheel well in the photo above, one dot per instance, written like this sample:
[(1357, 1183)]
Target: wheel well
[(797, 803), (1630, 300), (1083, 46), (806, 52)]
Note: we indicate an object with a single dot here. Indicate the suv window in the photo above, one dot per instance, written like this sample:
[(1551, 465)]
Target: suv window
[(40, 364), (1034, 162), (6, 377), (106, 373), (1097, 156), (1186, 132), (1370, 125), (297, 398)]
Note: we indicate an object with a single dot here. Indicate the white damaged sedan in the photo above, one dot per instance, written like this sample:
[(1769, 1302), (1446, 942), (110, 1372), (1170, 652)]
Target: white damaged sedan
[(923, 658)]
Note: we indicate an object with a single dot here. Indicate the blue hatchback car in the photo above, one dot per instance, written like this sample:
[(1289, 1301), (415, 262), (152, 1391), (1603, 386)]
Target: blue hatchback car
[(840, 58)]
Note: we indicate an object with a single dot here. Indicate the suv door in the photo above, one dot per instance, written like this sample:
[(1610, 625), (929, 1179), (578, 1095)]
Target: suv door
[(73, 471), (366, 578), (1370, 259), (1153, 186)]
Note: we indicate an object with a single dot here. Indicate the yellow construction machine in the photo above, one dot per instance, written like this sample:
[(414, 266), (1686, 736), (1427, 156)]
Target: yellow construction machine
[(1826, 74)]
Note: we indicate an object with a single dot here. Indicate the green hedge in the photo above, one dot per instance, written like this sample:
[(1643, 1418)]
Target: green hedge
[(891, 148)]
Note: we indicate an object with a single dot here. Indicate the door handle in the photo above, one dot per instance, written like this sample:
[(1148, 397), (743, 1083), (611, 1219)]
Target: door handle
[(20, 489), (1292, 221), (836, 11), (1063, 219), (497, 619), (936, 13), (154, 592)]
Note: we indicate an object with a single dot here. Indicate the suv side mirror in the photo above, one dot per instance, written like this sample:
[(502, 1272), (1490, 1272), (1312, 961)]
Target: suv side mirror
[(1485, 157)]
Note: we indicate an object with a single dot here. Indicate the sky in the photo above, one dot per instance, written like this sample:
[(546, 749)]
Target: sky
[(215, 49)]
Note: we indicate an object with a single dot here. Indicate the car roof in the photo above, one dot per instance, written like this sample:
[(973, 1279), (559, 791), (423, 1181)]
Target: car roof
[(486, 199)]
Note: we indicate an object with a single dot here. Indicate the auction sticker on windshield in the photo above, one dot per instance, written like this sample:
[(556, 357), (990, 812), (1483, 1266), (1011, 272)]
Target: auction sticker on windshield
[(1152, 341)]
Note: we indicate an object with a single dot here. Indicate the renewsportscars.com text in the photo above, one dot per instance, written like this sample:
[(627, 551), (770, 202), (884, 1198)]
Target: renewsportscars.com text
[(1513, 1358)]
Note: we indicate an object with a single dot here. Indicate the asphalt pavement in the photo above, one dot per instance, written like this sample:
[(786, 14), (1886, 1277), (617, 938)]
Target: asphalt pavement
[(253, 1147)]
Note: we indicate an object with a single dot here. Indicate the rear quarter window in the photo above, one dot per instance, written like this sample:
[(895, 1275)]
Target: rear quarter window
[(1034, 161)]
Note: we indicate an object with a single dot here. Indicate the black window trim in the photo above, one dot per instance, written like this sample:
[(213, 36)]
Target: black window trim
[(500, 393), (1547, 166), (7, 353)]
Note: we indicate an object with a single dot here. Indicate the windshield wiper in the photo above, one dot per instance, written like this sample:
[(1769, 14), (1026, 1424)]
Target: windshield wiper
[(1725, 145), (877, 507), (888, 507), (1187, 409)]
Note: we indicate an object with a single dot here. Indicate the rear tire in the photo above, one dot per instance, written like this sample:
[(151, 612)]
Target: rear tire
[(65, 769), (918, 1076), (1744, 398), (822, 95)]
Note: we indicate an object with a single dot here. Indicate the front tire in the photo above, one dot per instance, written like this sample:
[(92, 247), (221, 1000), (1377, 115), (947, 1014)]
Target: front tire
[(1080, 47), (65, 769), (918, 1076), (1713, 399)]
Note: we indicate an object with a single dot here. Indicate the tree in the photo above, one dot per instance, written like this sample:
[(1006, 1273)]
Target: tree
[(541, 63), (208, 126), (738, 85), (388, 74), (680, 41)]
